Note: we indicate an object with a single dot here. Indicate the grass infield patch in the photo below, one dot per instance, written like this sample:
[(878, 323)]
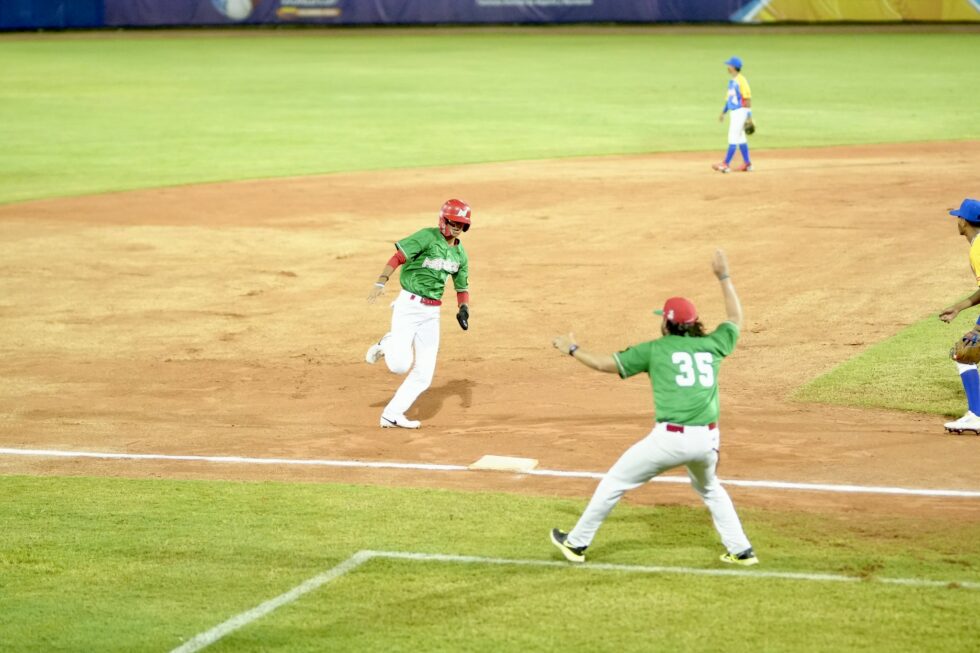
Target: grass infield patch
[(110, 564), (909, 371)]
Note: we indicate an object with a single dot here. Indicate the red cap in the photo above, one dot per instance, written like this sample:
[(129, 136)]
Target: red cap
[(679, 311)]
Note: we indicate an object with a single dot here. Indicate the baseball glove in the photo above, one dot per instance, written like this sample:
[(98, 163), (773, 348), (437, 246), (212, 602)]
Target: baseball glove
[(463, 317), (966, 350), (749, 126)]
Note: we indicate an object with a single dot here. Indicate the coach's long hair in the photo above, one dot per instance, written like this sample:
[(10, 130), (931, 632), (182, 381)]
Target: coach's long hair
[(695, 330)]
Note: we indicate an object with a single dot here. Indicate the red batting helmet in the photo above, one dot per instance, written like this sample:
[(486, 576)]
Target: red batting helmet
[(454, 211)]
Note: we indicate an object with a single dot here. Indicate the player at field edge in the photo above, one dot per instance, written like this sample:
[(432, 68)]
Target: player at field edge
[(968, 223), (429, 256), (683, 368), (738, 105)]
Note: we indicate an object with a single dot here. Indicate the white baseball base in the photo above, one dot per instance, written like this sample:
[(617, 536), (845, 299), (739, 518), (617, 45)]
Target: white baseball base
[(505, 464)]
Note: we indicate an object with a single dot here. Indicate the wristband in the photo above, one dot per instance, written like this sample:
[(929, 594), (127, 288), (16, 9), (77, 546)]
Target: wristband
[(727, 276), (572, 349), (379, 285)]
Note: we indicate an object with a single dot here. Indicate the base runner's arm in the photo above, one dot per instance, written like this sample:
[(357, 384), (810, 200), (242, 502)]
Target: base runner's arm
[(397, 259), (599, 362), (733, 307)]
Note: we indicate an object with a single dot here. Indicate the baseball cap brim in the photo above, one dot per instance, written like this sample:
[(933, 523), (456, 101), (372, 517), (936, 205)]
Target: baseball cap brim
[(969, 217), (969, 210), (660, 311)]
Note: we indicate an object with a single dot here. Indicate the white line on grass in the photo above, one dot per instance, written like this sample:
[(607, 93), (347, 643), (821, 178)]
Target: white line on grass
[(432, 467), (647, 569), (209, 637)]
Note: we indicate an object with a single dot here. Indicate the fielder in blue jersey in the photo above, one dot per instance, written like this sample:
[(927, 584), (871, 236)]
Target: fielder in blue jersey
[(738, 105)]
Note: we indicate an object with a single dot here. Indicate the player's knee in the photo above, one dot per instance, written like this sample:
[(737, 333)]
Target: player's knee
[(398, 365), (706, 491)]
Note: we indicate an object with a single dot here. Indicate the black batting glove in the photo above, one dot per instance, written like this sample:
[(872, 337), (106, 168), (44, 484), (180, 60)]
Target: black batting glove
[(463, 317)]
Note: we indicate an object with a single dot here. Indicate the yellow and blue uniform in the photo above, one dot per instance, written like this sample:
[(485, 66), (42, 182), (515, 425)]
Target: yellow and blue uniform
[(738, 92), (969, 210), (737, 97)]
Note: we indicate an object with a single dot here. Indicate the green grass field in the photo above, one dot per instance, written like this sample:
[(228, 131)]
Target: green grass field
[(94, 115), (108, 564), (910, 371), (123, 565)]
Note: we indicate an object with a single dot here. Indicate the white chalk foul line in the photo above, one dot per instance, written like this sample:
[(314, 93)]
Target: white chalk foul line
[(654, 569), (433, 467), (209, 637), (56, 453)]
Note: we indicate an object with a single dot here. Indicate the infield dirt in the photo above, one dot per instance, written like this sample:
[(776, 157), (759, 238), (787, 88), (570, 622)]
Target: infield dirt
[(231, 319)]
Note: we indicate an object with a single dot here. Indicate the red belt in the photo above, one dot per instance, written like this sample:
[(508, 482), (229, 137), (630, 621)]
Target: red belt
[(426, 300), (677, 428)]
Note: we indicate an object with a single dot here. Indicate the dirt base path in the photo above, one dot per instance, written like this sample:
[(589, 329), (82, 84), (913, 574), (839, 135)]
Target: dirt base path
[(230, 319)]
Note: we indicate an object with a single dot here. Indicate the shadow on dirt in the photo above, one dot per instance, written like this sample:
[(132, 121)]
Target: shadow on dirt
[(432, 400)]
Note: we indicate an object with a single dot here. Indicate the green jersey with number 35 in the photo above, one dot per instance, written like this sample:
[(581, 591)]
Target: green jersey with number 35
[(684, 373), (429, 260)]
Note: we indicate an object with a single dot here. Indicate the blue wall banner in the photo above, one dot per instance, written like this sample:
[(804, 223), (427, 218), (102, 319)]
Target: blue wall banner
[(67, 14), (50, 14), (401, 12)]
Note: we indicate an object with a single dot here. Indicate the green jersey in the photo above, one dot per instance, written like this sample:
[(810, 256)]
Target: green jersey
[(684, 373), (429, 260)]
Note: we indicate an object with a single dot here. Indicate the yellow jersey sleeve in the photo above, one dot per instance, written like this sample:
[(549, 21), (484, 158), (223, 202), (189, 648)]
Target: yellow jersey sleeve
[(743, 86), (975, 259)]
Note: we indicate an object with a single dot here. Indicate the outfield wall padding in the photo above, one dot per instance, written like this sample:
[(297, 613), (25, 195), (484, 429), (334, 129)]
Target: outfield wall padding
[(64, 14)]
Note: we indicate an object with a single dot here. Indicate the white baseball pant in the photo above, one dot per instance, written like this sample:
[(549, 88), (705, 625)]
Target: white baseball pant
[(736, 126), (697, 449), (414, 325)]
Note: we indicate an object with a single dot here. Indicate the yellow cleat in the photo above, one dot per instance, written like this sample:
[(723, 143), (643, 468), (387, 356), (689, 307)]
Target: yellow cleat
[(745, 558)]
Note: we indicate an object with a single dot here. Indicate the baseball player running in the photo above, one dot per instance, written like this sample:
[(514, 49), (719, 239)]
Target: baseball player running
[(683, 368), (968, 223), (429, 256), (738, 105)]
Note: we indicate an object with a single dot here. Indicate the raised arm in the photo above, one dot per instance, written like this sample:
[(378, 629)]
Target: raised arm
[(733, 308), (600, 362)]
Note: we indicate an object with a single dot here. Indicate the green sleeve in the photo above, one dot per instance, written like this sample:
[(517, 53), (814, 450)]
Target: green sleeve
[(633, 360), (724, 338), (461, 279), (415, 244)]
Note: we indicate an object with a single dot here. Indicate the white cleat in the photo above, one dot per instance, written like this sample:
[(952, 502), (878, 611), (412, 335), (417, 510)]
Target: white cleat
[(968, 422), (399, 421), (374, 353)]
